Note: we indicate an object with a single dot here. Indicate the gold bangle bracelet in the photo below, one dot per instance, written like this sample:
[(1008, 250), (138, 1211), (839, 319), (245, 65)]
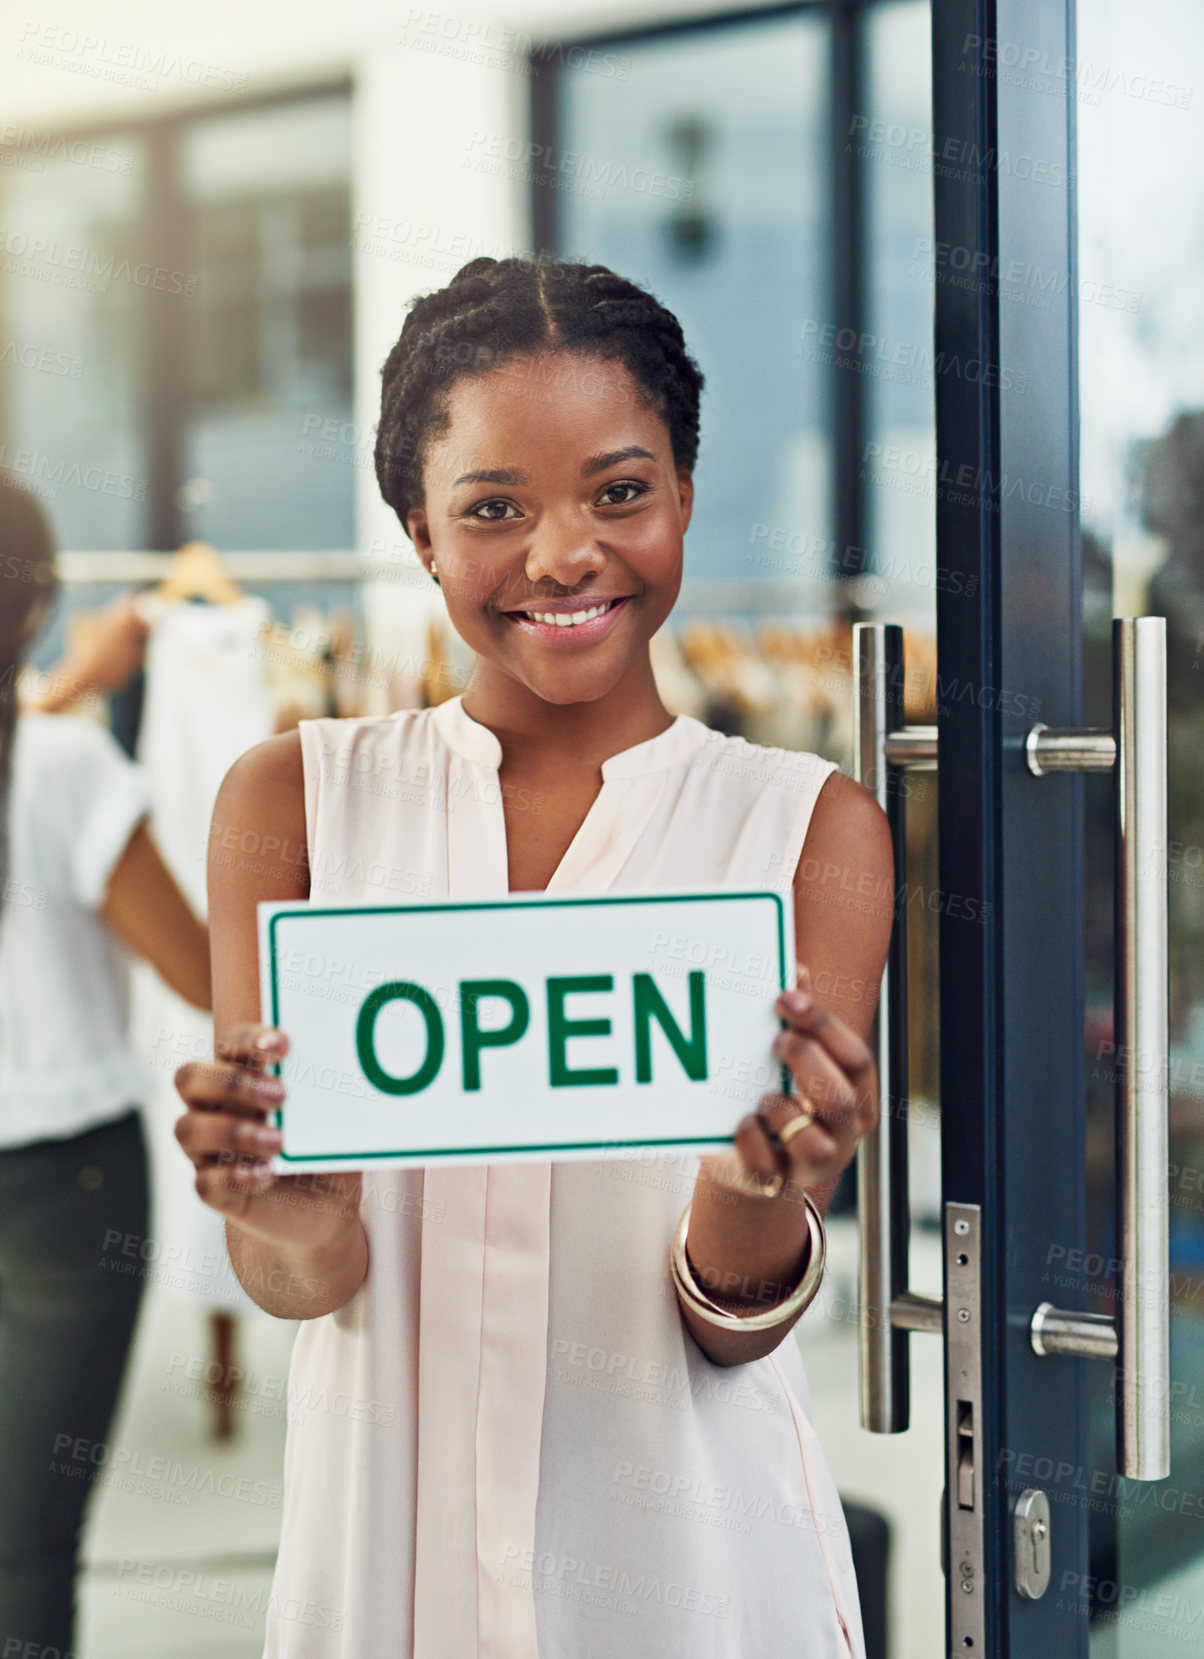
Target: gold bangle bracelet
[(781, 1313)]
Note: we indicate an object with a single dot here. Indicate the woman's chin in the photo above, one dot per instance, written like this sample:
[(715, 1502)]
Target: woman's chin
[(563, 683)]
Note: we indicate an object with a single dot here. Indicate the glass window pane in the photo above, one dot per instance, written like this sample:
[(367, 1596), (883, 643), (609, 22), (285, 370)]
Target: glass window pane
[(1141, 394), (894, 145), (72, 284), (269, 333), (704, 176)]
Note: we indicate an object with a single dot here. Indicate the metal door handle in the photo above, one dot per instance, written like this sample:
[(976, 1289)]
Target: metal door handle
[(1138, 1338), (884, 746)]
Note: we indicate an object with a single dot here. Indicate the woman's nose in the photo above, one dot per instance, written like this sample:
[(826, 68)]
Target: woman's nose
[(563, 552)]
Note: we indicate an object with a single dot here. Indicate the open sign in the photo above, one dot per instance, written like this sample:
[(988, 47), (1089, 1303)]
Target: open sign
[(523, 1027)]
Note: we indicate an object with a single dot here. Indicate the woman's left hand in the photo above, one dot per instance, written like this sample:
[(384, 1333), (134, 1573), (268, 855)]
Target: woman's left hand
[(836, 1085), (748, 1228)]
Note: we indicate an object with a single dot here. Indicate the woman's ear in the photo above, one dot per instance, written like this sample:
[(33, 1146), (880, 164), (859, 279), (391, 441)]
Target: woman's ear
[(685, 495), (419, 532)]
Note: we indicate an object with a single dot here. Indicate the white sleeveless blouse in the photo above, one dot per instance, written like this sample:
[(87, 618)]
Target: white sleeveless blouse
[(507, 1445)]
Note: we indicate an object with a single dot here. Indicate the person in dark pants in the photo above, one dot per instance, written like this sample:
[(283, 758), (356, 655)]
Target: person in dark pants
[(66, 1321), (81, 881)]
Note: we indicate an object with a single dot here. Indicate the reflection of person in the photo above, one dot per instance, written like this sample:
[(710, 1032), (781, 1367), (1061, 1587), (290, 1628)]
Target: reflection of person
[(81, 878), (523, 1418)]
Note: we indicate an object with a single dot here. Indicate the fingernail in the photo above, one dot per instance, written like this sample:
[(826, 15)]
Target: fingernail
[(261, 1171), (795, 1002), (271, 1140), (271, 1088), (269, 1041)]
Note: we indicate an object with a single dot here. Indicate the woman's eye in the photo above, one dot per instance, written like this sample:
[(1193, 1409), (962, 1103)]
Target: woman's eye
[(611, 497), (494, 511)]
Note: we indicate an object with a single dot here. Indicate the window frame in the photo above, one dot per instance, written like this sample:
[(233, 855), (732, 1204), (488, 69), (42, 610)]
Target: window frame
[(162, 232), (847, 284)]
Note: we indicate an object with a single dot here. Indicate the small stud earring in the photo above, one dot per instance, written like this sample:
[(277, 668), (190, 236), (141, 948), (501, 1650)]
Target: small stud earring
[(434, 577)]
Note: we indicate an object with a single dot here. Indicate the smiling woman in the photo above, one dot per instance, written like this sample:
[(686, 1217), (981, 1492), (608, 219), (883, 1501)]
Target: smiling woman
[(538, 436), (584, 547)]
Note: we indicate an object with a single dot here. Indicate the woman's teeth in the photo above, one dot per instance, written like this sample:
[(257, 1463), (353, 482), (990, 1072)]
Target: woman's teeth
[(570, 619)]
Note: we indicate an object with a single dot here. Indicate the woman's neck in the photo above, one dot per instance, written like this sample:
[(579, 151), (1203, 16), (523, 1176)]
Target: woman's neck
[(538, 736)]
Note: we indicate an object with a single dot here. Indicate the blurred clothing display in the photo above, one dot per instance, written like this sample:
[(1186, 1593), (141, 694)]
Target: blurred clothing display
[(782, 681), (206, 701), (65, 1060)]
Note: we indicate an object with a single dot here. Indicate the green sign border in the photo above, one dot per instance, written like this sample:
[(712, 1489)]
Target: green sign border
[(429, 1153)]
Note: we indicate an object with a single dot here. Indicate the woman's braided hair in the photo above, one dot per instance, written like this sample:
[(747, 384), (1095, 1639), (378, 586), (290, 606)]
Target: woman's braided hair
[(495, 310)]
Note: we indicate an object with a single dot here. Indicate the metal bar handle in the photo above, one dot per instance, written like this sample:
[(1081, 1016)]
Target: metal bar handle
[(882, 745), (1142, 1025), (1138, 1339)]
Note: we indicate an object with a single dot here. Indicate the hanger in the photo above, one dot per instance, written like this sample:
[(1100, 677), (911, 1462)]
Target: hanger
[(197, 572)]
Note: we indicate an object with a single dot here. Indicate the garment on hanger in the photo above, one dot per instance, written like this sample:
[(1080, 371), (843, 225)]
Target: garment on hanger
[(207, 701)]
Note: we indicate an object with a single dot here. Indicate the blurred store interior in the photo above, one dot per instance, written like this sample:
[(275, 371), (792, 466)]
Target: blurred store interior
[(211, 225)]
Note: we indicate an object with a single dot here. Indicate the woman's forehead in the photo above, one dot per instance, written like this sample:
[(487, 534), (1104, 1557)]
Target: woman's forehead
[(568, 402)]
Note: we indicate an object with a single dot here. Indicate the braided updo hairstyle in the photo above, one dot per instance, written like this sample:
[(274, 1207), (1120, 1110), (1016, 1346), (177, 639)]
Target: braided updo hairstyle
[(495, 310)]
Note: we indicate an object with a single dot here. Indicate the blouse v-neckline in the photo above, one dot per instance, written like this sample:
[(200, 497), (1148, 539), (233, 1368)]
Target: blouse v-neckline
[(475, 742), (595, 837)]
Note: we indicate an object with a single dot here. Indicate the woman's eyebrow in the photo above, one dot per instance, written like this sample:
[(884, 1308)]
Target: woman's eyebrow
[(599, 463), (493, 475), (595, 464)]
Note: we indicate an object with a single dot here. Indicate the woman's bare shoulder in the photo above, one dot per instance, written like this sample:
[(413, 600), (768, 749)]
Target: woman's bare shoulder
[(267, 769), (844, 900), (844, 882), (259, 815), (848, 816)]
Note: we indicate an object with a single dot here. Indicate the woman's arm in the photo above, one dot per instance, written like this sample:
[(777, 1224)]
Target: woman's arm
[(104, 648), (844, 896), (148, 912), (296, 1243), (746, 1246)]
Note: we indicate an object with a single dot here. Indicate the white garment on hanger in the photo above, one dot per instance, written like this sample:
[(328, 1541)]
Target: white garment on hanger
[(206, 702)]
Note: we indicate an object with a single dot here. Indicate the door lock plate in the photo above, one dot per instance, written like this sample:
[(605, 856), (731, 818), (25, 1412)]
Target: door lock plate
[(965, 1485), (1030, 1527)]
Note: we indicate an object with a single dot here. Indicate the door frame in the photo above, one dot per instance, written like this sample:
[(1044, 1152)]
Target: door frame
[(1009, 609)]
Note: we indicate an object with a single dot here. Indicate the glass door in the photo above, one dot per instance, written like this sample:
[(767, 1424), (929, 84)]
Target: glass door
[(907, 452), (1140, 123), (1055, 1321), (760, 171)]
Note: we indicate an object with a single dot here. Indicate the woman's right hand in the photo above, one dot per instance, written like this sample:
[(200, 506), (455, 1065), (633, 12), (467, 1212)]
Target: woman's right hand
[(226, 1134)]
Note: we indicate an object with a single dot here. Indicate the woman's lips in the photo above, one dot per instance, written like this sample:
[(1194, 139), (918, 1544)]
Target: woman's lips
[(598, 619)]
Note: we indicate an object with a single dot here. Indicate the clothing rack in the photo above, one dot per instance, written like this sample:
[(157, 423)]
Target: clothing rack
[(81, 570), (257, 569)]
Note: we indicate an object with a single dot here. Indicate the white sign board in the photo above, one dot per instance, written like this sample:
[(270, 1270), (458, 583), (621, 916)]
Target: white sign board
[(531, 1026)]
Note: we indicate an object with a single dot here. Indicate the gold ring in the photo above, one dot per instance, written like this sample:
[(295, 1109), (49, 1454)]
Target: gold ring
[(795, 1126), (767, 1189)]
